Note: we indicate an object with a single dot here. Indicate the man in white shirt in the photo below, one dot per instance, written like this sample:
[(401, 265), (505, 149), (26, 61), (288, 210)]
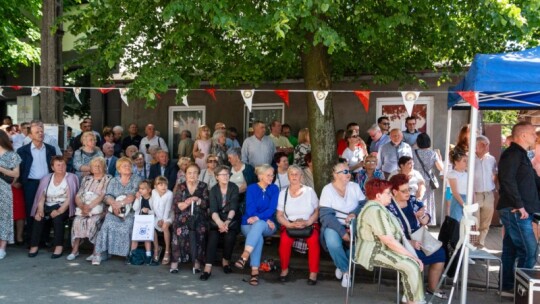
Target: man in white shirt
[(46, 139), (485, 175), (258, 149), (151, 139)]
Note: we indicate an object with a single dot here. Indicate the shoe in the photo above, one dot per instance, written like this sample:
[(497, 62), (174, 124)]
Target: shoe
[(284, 278), (311, 282), (339, 274), (96, 260), (147, 259), (90, 258), (33, 254), (439, 294), (254, 280), (166, 258), (205, 275), (153, 262), (345, 282), (227, 269), (507, 293), (57, 256), (240, 263), (72, 256), (173, 270), (196, 270), (2, 254)]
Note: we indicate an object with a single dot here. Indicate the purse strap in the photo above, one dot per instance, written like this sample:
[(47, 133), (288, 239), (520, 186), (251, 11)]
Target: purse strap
[(285, 203), (422, 163), (404, 218)]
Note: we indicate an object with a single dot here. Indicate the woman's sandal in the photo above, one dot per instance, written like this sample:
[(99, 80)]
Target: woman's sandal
[(254, 280), (166, 258), (240, 263)]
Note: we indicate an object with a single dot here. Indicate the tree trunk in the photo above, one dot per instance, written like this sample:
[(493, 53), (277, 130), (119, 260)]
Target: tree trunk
[(51, 71), (316, 69)]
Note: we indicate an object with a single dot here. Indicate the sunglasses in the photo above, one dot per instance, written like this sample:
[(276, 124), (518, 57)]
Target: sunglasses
[(344, 171), (370, 162)]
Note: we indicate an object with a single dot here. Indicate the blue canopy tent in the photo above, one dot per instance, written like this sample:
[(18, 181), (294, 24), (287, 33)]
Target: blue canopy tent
[(501, 81)]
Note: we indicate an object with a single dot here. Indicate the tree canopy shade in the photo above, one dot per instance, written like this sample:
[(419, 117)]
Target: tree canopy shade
[(178, 43), (19, 33)]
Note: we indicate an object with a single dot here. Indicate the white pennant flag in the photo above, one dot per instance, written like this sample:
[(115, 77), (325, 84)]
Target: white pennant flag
[(35, 91), (320, 98), (1, 91), (248, 97), (77, 91), (409, 98), (184, 99), (123, 95)]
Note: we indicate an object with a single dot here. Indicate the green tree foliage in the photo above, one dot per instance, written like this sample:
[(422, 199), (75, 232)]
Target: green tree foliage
[(178, 43), (507, 118), (19, 33)]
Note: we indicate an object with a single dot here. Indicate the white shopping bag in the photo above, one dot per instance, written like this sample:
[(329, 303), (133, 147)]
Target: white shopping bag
[(143, 228)]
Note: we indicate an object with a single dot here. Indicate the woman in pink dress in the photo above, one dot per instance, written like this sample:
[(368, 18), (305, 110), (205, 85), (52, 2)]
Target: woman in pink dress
[(201, 148)]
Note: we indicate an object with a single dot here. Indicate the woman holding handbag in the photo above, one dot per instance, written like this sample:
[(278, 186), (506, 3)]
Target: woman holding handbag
[(298, 210), (412, 215), (224, 221)]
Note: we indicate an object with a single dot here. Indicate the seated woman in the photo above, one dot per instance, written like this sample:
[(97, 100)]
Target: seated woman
[(412, 214), (83, 156), (89, 201), (242, 175), (219, 148), (298, 207), (115, 234), (379, 241), (208, 175), (368, 172), (282, 162), (140, 167), (416, 181), (54, 201), (339, 204), (261, 203), (190, 221), (224, 213)]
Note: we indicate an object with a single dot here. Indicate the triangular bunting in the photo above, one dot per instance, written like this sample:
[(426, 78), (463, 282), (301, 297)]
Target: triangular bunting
[(284, 94), (470, 97), (184, 99), (35, 91), (105, 90), (16, 87), (409, 98), (364, 98), (76, 92), (1, 91), (58, 89), (212, 92), (320, 98), (248, 98), (123, 95)]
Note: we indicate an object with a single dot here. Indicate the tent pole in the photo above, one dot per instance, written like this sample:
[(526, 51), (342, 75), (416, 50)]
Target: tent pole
[(470, 198), (446, 164)]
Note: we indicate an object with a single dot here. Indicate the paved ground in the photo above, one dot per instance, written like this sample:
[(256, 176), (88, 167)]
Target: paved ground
[(59, 281)]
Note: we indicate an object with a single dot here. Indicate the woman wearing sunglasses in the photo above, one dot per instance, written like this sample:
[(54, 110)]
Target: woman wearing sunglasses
[(355, 151), (207, 175), (340, 202)]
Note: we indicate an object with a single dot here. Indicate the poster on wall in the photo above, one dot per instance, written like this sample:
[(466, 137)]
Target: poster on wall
[(395, 110), (184, 118)]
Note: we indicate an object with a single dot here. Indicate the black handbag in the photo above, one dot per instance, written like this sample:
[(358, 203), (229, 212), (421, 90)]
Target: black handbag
[(7, 179), (433, 181), (296, 233), (223, 216)]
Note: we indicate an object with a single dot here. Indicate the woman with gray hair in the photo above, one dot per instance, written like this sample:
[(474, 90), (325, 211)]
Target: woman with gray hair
[(242, 175), (219, 148), (83, 156)]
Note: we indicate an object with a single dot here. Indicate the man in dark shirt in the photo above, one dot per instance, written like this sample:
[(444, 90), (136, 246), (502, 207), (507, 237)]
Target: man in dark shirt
[(519, 186), (133, 139)]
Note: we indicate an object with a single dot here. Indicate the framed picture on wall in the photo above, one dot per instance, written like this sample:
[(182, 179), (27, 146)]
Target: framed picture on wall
[(394, 109), (184, 118)]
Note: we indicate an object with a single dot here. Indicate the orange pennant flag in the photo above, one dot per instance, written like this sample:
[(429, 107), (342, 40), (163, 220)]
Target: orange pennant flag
[(284, 94), (105, 90), (59, 89), (212, 93), (364, 98), (470, 97)]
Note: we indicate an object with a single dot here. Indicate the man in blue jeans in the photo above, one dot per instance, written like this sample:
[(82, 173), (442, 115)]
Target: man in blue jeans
[(518, 200)]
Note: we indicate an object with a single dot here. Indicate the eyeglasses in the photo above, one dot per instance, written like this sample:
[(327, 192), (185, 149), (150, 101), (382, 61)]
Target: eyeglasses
[(223, 174), (385, 123), (405, 191), (387, 192), (344, 172), (211, 161)]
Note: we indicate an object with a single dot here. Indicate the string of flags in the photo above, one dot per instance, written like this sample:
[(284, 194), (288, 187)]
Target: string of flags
[(409, 97)]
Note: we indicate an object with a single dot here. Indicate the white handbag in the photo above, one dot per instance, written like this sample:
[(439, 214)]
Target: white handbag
[(143, 228), (88, 197), (429, 243), (126, 208)]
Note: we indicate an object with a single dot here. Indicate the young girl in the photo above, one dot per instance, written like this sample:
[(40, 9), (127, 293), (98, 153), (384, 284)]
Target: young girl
[(161, 203), (201, 148), (457, 178), (143, 205)]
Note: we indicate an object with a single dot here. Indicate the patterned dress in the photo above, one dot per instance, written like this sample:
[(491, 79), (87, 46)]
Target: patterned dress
[(87, 227), (115, 234), (8, 160), (429, 158), (299, 152), (190, 244), (82, 158)]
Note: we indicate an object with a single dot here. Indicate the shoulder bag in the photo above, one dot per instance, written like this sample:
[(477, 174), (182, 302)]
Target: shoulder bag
[(296, 233), (429, 243), (223, 213), (433, 181)]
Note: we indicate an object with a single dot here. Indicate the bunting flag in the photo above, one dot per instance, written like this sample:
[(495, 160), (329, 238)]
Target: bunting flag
[(409, 98), (58, 89), (36, 91), (364, 98), (105, 90), (16, 87), (1, 91), (320, 98), (77, 92), (123, 95), (184, 101), (248, 98), (470, 97), (284, 94), (211, 92)]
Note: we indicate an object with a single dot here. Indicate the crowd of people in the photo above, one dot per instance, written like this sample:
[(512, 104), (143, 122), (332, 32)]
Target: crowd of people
[(220, 188)]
